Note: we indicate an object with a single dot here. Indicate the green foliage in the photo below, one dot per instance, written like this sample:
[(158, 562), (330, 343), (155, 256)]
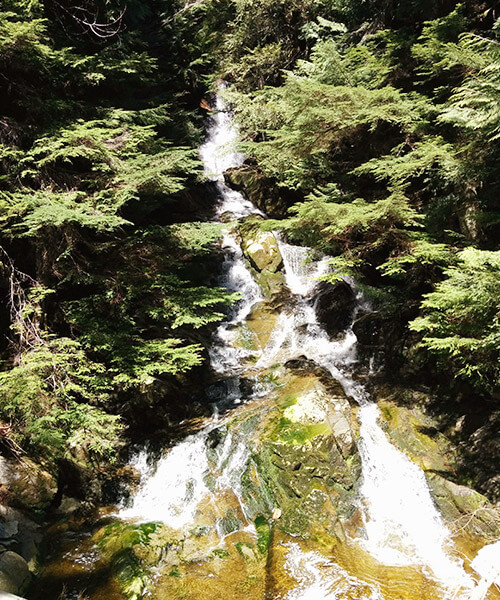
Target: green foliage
[(305, 123), (392, 183), (460, 322), (474, 105), (353, 66), (29, 212), (420, 252), (267, 36), (98, 158), (358, 227), (53, 399)]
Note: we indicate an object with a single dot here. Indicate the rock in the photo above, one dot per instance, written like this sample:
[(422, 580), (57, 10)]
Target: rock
[(29, 485), (20, 534), (261, 249), (465, 509), (6, 596), (14, 573), (334, 306), (305, 462), (261, 191), (261, 322), (78, 481), (368, 329), (415, 433), (272, 285)]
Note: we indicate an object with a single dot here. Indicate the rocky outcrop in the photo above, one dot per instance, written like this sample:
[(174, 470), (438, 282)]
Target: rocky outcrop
[(417, 435), (260, 247), (260, 190), (305, 461)]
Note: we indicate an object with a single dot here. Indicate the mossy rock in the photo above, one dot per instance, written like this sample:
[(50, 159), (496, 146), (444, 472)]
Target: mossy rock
[(465, 509), (260, 190), (305, 461), (260, 247), (416, 434), (272, 284), (261, 323), (30, 487)]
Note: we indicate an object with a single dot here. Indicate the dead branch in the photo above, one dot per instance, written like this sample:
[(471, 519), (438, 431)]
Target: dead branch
[(89, 21), (26, 328)]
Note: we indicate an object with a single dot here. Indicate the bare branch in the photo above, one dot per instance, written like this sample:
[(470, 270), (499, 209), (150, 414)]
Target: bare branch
[(27, 329), (89, 22)]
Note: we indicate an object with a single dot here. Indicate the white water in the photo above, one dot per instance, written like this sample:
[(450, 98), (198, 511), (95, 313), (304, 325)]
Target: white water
[(321, 579), (174, 487), (402, 525), (219, 154), (172, 490), (487, 565)]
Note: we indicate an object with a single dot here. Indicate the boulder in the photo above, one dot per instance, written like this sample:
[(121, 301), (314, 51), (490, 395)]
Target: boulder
[(261, 249), (14, 573), (30, 486), (465, 509), (305, 461), (335, 304)]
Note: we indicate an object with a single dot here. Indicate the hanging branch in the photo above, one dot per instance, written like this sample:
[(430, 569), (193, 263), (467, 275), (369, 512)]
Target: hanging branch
[(27, 329), (89, 22)]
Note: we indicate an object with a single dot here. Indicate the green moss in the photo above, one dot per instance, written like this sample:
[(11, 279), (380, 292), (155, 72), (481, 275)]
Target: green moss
[(263, 533), (229, 523), (118, 542), (245, 550), (221, 553), (299, 434)]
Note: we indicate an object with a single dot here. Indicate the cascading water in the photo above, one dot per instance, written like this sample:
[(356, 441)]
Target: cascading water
[(320, 579), (172, 489), (401, 523)]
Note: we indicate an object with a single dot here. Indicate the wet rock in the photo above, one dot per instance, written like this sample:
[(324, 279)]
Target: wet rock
[(335, 304), (14, 573), (305, 463), (415, 433), (480, 453), (261, 249), (464, 508), (19, 534), (272, 285), (261, 322), (78, 481), (30, 487), (368, 329)]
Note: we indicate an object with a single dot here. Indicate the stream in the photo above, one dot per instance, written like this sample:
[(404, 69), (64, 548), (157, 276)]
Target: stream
[(293, 489)]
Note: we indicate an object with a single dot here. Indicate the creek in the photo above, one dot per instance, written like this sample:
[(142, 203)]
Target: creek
[(294, 489)]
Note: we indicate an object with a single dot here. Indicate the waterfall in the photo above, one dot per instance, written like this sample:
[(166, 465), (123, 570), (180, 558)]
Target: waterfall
[(487, 565), (172, 490), (174, 487), (402, 526)]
